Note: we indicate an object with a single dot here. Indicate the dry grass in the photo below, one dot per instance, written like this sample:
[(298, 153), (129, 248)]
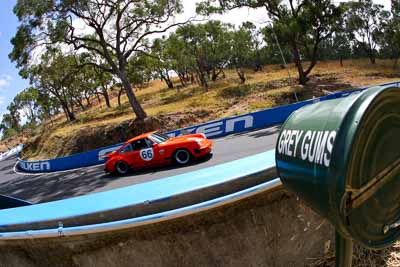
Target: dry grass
[(267, 88), (226, 97), (389, 257)]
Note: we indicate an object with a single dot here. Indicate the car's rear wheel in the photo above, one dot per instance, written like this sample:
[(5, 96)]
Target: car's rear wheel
[(121, 167), (182, 157)]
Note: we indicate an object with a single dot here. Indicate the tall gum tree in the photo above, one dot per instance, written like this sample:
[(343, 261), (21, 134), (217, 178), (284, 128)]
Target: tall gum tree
[(300, 24), (115, 31), (365, 23)]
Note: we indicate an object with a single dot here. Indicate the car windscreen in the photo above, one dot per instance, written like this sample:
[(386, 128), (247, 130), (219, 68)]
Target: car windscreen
[(159, 138)]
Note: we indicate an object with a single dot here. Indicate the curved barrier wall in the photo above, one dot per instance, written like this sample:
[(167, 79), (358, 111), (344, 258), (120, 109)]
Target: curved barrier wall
[(233, 224), (213, 129), (139, 200)]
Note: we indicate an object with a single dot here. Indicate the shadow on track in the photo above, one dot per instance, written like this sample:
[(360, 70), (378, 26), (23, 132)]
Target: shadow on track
[(266, 132), (50, 187), (163, 168)]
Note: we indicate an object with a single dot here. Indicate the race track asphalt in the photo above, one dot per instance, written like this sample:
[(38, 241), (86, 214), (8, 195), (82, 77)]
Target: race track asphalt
[(56, 186)]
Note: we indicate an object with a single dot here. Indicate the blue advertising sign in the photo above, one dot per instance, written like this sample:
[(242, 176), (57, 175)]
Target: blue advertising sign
[(212, 129)]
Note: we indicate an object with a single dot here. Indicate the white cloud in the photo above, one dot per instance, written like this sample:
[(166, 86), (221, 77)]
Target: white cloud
[(4, 81), (2, 100), (235, 17), (1, 34), (81, 28), (257, 16)]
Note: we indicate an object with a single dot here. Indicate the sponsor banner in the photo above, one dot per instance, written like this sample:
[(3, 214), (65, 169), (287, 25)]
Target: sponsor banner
[(242, 123), (212, 129), (86, 159)]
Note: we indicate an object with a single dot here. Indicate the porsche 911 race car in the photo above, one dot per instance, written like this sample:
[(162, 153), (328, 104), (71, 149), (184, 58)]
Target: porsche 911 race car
[(154, 149)]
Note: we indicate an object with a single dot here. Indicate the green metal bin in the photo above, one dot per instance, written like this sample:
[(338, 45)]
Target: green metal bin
[(342, 157)]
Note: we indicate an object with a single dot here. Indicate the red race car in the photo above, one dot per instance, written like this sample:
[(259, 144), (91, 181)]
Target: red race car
[(154, 149)]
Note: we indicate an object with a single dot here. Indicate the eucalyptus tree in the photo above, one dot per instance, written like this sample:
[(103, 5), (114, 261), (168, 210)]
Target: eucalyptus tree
[(217, 46), (114, 30), (14, 116), (365, 22), (181, 60), (161, 61), (242, 50), (208, 46), (390, 39), (301, 25), (193, 37), (55, 75), (257, 56), (7, 126), (48, 106), (105, 81), (27, 104)]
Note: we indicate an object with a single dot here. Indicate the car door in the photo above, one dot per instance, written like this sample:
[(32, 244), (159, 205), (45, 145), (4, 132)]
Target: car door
[(145, 152), (128, 154)]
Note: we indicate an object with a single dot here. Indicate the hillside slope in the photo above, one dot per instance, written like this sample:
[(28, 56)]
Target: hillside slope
[(170, 108)]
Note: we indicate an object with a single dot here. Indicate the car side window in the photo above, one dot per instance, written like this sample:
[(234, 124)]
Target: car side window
[(127, 148), (140, 144), (149, 142)]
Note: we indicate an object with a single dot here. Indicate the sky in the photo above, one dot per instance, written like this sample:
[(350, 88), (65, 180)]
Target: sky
[(11, 83)]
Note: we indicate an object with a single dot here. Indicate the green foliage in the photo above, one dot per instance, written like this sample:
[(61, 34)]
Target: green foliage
[(118, 31), (115, 48), (364, 23), (300, 25)]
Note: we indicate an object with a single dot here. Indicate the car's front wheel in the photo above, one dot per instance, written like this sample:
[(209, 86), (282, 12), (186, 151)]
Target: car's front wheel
[(121, 167), (182, 157)]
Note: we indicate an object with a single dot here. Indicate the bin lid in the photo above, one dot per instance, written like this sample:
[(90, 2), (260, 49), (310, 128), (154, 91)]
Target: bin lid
[(370, 200)]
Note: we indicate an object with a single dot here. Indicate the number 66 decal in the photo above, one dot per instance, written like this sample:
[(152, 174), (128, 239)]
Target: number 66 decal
[(147, 154)]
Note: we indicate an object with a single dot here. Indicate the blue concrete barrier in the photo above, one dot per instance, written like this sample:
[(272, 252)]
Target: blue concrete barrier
[(98, 208), (213, 129), (80, 160)]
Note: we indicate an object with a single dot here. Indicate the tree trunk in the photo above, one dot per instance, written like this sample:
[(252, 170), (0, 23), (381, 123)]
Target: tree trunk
[(69, 114), (372, 59), (119, 96), (136, 107), (79, 103), (88, 103), (106, 96), (107, 99), (241, 75), (297, 61), (65, 113), (192, 78), (168, 81), (182, 79), (214, 75), (371, 56), (98, 98), (203, 80), (341, 61)]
